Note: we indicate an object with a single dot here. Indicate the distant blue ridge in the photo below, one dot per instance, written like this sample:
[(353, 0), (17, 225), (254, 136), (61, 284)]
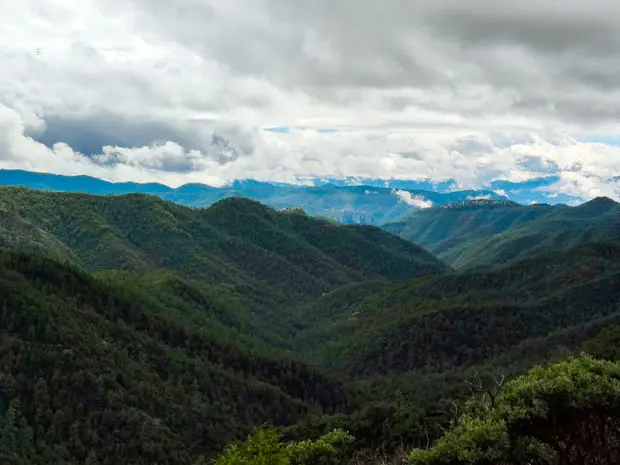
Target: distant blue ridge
[(348, 200)]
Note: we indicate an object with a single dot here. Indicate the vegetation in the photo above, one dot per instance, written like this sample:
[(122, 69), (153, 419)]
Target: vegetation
[(267, 260), (497, 233), (134, 330), (566, 413), (460, 320), (265, 447), (91, 368)]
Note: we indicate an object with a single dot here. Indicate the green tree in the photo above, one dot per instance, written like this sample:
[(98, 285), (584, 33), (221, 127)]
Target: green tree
[(568, 412), (265, 447)]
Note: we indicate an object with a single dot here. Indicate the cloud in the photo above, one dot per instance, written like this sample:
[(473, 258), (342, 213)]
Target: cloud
[(182, 91), (413, 200), (479, 197), (584, 186)]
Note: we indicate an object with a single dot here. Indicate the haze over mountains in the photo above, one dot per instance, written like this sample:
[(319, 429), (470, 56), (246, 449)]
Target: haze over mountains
[(351, 200)]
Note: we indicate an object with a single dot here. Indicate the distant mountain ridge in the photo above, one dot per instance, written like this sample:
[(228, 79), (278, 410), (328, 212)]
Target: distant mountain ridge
[(536, 190), (469, 204), (346, 203), (491, 233)]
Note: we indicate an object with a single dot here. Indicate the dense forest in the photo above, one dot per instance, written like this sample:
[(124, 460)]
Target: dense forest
[(491, 233), (135, 330), (98, 368)]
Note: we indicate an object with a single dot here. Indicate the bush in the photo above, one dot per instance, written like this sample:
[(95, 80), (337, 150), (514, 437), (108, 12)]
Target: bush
[(265, 447), (565, 413)]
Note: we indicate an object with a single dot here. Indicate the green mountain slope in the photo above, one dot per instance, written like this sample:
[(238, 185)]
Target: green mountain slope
[(492, 233), (422, 347), (143, 232), (95, 366), (270, 258), (460, 320), (134, 330)]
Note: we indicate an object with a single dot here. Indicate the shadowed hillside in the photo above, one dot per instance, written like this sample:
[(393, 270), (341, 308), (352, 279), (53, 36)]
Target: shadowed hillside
[(97, 368), (453, 321)]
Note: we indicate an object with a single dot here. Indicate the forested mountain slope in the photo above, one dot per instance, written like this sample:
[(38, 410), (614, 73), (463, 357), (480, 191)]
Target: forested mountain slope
[(464, 319), (135, 330), (95, 370), (493, 233), (269, 258), (144, 232), (175, 344)]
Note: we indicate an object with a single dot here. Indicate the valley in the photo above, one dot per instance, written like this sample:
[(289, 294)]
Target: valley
[(137, 330)]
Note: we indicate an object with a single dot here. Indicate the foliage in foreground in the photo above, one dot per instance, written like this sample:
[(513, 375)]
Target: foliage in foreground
[(566, 413), (265, 447)]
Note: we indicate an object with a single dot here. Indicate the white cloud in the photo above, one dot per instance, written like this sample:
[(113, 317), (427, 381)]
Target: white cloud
[(479, 197), (181, 91), (584, 186), (413, 200)]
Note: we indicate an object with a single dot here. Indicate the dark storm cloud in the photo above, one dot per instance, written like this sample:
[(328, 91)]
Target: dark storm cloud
[(90, 135)]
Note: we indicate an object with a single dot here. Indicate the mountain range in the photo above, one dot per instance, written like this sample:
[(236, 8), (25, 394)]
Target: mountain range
[(487, 233), (347, 201), (137, 330), (275, 257)]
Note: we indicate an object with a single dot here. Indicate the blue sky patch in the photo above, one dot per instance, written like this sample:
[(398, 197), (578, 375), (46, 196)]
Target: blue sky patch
[(607, 140), (279, 130)]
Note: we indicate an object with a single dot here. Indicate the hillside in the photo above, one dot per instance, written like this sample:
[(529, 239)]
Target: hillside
[(454, 321), (142, 232), (495, 233), (97, 368), (344, 203), (424, 347), (268, 259), (193, 304), (135, 327)]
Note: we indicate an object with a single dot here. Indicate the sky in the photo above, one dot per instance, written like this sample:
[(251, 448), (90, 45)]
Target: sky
[(215, 90)]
